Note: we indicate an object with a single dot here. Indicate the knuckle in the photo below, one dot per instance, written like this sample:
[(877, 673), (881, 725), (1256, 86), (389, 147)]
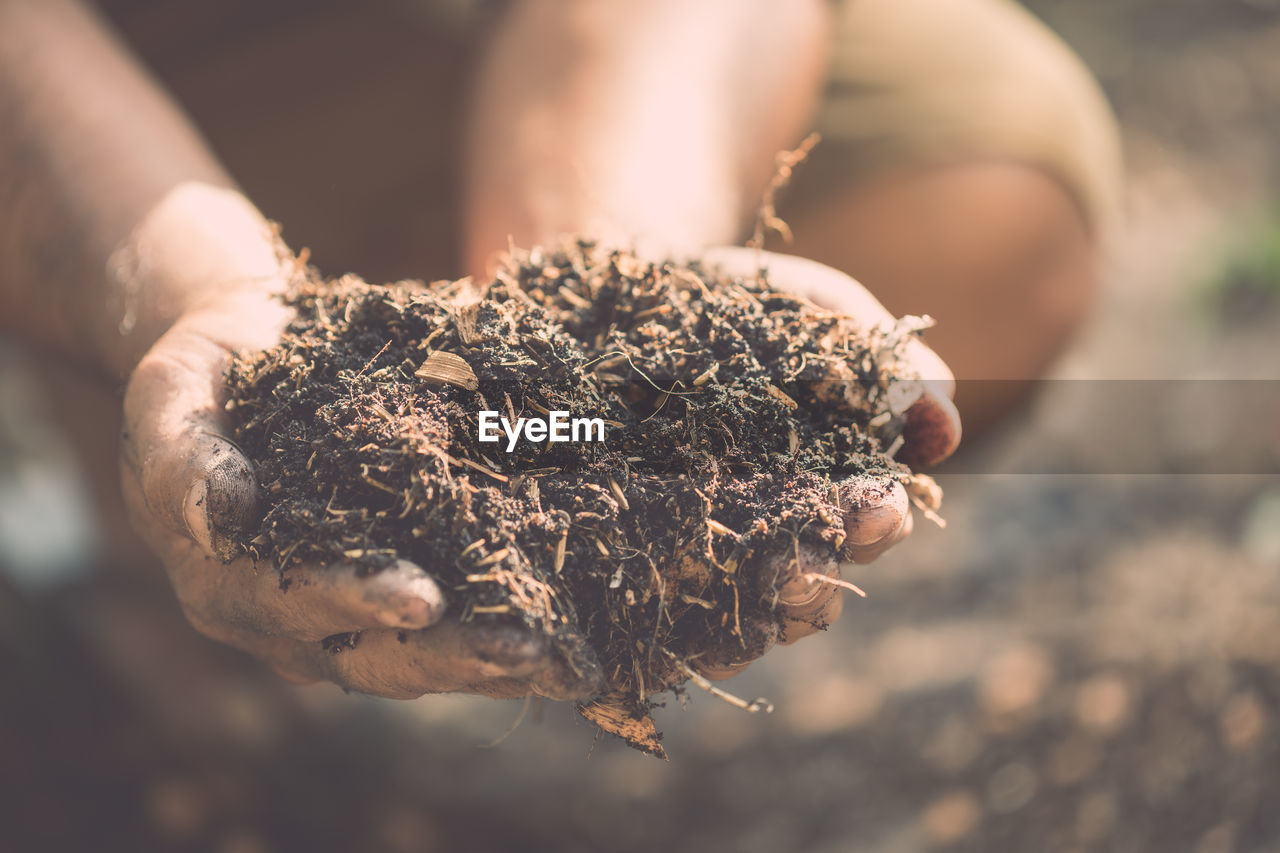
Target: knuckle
[(389, 679)]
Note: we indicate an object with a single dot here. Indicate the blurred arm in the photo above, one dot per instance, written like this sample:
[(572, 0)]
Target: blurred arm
[(640, 122), (114, 217)]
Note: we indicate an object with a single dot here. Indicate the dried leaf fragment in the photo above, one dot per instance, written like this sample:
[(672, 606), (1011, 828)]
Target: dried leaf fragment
[(466, 320), (448, 368), (782, 396), (626, 719)]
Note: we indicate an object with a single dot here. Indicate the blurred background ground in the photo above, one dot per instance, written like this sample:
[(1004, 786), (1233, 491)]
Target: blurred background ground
[(1083, 661)]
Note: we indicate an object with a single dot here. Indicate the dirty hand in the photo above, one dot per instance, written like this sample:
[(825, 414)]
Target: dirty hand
[(877, 512), (192, 495)]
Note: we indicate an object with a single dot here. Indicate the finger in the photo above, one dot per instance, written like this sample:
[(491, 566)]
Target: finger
[(806, 602), (931, 432), (557, 682), (490, 659), (193, 478), (723, 671), (240, 598), (874, 552), (413, 666), (501, 688), (335, 599), (876, 516), (312, 603), (176, 438), (734, 654), (794, 629), (578, 676), (404, 664), (452, 656)]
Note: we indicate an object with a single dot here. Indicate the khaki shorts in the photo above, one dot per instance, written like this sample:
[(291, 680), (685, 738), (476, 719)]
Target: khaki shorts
[(930, 82), (913, 83)]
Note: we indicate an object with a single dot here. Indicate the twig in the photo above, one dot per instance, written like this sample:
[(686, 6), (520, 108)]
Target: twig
[(524, 709), (375, 358), (767, 218), (752, 707)]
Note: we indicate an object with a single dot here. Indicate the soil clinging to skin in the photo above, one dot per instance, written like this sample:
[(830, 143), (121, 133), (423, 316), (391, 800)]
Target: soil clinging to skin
[(732, 413)]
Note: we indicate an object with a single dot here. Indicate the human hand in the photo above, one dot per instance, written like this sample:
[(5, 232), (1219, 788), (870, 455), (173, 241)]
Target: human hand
[(192, 494), (877, 511)]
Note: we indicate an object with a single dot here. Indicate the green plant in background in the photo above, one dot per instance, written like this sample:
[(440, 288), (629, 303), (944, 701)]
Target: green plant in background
[(1246, 285)]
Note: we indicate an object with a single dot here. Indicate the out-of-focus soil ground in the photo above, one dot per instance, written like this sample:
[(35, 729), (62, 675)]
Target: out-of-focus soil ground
[(1081, 661)]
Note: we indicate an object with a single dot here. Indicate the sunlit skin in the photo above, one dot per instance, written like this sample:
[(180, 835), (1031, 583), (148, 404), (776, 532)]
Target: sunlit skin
[(129, 251)]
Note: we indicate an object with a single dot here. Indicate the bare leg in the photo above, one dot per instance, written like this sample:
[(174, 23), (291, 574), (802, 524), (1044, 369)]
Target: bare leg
[(970, 162)]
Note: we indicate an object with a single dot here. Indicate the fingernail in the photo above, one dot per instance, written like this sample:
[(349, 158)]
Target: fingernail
[(409, 598), (801, 591), (404, 611), (721, 672), (505, 650), (195, 512), (409, 611), (873, 511), (931, 432), (873, 525)]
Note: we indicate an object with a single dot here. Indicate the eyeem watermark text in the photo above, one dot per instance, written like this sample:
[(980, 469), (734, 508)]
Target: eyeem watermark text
[(557, 426)]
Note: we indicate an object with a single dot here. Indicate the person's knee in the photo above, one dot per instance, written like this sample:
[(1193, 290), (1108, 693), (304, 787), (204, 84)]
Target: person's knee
[(970, 170), (999, 253)]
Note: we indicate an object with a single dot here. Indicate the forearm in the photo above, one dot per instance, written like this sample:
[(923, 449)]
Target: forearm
[(114, 216), (640, 123)]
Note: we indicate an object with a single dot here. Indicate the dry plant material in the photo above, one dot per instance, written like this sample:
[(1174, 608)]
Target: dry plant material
[(731, 413)]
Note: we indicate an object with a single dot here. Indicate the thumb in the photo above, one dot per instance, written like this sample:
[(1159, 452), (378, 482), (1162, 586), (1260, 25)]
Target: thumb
[(220, 504), (194, 480)]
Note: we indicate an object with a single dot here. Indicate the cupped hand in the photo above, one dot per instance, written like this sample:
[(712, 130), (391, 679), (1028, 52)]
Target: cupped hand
[(193, 496), (877, 512)]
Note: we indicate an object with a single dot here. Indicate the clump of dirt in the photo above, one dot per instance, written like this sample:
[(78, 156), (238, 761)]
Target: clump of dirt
[(731, 413)]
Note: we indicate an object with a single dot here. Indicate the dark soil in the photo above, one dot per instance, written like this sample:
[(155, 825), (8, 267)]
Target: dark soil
[(733, 413)]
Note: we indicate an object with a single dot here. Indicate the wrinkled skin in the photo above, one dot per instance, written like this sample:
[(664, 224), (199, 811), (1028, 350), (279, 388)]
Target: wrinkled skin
[(192, 495)]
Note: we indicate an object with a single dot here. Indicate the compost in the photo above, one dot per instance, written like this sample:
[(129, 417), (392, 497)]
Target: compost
[(731, 413)]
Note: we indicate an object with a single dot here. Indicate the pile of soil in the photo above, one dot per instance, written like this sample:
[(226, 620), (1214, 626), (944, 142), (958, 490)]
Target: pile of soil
[(732, 412)]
